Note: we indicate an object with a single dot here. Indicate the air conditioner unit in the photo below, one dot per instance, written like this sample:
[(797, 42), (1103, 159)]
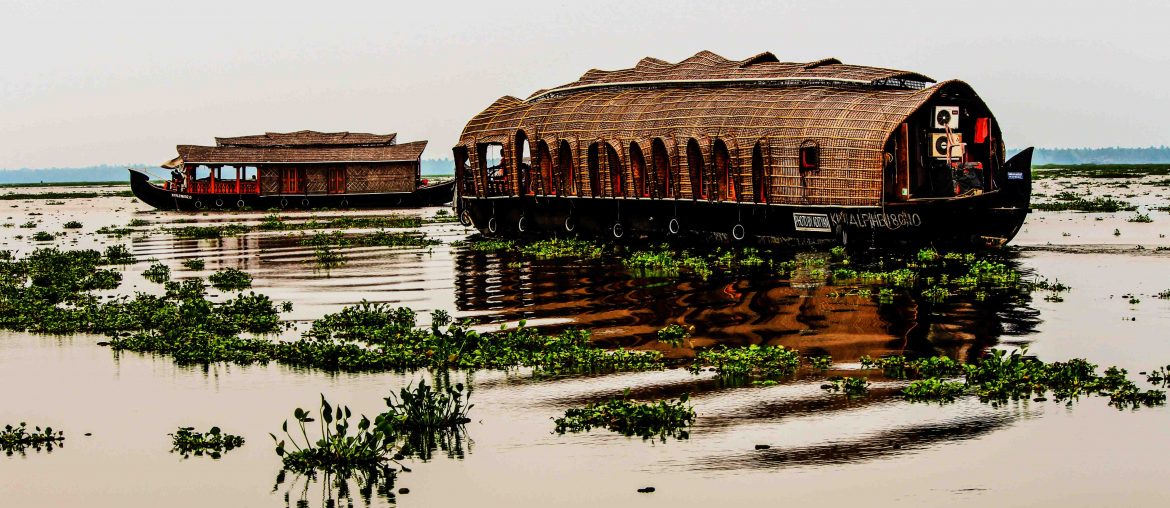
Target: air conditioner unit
[(946, 116), (939, 144)]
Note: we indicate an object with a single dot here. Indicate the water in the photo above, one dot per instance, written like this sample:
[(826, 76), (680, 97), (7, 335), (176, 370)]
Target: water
[(825, 448)]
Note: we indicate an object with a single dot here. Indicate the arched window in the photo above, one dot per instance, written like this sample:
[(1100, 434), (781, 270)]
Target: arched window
[(759, 181), (638, 171), (695, 168), (524, 163), (566, 183), (721, 181), (593, 163), (660, 159), (463, 171), (616, 172), (545, 164), (491, 164)]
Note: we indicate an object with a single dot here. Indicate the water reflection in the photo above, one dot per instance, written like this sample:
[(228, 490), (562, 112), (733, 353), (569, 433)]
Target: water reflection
[(336, 488), (802, 312)]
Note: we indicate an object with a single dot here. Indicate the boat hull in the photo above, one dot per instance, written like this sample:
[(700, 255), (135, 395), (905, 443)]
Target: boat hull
[(163, 199), (992, 218)]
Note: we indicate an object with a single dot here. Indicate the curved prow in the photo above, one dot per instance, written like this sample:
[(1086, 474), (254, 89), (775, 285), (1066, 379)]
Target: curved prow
[(1017, 178), (149, 193)]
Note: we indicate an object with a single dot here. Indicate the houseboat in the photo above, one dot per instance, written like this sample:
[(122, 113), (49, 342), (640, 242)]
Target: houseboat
[(305, 169), (745, 148)]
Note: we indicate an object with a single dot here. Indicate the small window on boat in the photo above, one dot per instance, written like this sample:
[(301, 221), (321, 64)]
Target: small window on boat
[(492, 164), (250, 173), (202, 172), (810, 156)]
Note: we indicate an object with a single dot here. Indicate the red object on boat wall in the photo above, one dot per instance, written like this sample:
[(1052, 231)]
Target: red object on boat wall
[(982, 129)]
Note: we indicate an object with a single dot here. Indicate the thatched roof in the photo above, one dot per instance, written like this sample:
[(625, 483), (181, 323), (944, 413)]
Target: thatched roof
[(191, 154), (849, 111), (708, 67), (309, 138)]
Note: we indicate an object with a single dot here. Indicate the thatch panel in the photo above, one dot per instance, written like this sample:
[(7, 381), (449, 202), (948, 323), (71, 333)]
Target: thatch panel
[(269, 181), (316, 180)]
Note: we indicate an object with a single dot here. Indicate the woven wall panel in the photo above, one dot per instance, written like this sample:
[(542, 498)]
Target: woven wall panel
[(316, 180), (269, 181)]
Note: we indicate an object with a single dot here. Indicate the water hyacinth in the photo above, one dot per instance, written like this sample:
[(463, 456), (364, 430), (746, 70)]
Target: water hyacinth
[(213, 443), (17, 439), (742, 364), (661, 419)]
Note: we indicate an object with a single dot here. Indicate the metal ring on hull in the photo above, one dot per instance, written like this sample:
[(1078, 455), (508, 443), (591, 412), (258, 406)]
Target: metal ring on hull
[(240, 204), (283, 203), (737, 232), (305, 202), (617, 230), (344, 203), (198, 204), (465, 218), (673, 226), (520, 224), (492, 225), (219, 203), (570, 224)]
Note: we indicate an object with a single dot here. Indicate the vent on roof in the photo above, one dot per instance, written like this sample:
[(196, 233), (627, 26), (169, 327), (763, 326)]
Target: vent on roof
[(765, 57), (821, 62)]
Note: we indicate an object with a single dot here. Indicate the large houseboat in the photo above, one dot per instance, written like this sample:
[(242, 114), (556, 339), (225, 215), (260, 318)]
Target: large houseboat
[(745, 148), (305, 169)]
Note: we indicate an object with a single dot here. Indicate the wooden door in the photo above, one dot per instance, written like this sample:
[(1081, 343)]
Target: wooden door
[(337, 180)]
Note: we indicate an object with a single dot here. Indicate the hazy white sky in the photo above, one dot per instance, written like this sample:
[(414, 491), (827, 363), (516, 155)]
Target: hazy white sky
[(124, 81)]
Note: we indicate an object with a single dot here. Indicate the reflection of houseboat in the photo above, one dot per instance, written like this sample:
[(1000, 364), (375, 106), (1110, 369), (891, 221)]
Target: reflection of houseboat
[(754, 147), (304, 169)]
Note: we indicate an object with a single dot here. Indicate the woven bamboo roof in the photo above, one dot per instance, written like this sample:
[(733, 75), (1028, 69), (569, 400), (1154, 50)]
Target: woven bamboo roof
[(192, 154), (706, 66), (309, 138)]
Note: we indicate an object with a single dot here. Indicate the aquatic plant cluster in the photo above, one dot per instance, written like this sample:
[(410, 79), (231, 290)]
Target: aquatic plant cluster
[(275, 222), (551, 248), (18, 439), (739, 365), (230, 279), (212, 443), (416, 422), (1001, 376), (661, 419)]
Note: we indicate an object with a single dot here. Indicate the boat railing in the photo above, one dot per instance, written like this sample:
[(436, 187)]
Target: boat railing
[(224, 187)]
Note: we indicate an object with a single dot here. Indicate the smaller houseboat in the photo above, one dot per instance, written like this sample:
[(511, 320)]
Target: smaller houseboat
[(305, 169)]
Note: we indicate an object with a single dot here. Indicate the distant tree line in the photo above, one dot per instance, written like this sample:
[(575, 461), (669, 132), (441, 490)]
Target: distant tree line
[(1111, 155)]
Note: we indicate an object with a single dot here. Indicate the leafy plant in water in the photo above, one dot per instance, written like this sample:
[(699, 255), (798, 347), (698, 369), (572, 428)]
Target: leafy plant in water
[(934, 390), (850, 386), (42, 236), (661, 419), (742, 364), (193, 264), (820, 362), (72, 225), (157, 273), (119, 255), (230, 279), (338, 447), (675, 334), (213, 443), (18, 439)]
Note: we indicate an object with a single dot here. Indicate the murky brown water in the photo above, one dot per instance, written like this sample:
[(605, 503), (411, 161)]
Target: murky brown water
[(825, 449)]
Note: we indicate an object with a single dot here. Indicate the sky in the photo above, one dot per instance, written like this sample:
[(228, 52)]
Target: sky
[(85, 83)]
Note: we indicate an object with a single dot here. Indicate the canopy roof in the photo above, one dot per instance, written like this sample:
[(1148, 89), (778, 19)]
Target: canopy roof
[(309, 138), (708, 67), (191, 154)]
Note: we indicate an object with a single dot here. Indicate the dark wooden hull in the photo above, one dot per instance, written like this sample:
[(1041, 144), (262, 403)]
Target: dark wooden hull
[(153, 195), (990, 218)]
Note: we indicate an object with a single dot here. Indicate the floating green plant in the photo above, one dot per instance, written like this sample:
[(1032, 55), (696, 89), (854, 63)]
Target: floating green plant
[(661, 419), (18, 439), (1141, 217), (42, 236), (119, 255), (822, 362), (212, 443), (1080, 204), (72, 225), (934, 390), (675, 334), (208, 232), (157, 273), (230, 279), (850, 386), (193, 264), (743, 364), (339, 446)]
